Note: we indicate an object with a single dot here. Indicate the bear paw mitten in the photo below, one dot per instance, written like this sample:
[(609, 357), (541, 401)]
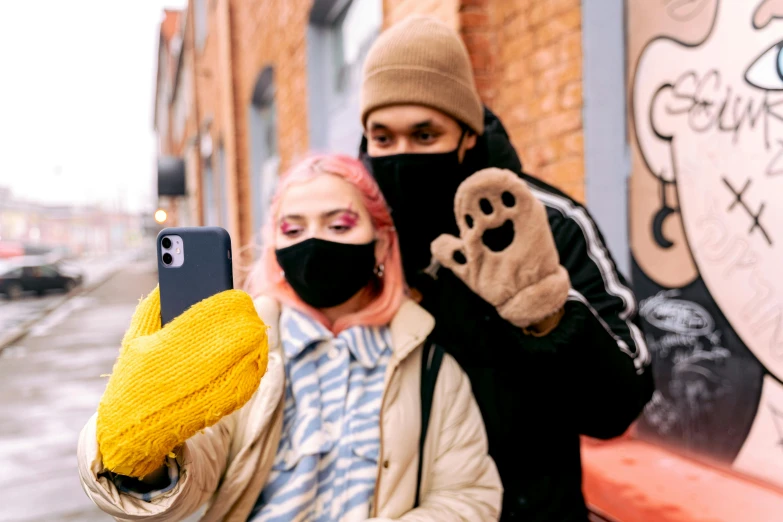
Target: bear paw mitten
[(170, 383), (505, 253)]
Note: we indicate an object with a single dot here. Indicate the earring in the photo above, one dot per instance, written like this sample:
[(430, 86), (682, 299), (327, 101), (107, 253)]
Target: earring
[(379, 270), (282, 274)]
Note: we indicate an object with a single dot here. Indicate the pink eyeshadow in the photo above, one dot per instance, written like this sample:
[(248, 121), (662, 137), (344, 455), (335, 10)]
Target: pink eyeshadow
[(285, 227), (349, 219)]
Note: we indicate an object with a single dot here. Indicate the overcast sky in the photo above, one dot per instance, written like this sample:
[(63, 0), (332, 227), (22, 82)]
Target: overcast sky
[(76, 99)]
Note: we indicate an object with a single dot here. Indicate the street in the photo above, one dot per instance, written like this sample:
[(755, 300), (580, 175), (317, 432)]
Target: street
[(30, 306), (50, 384)]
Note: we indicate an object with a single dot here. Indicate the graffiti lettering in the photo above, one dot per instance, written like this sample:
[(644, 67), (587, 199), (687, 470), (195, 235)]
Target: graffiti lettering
[(677, 316), (763, 294), (684, 358), (664, 345), (711, 105), (707, 112), (714, 241), (661, 413), (772, 321), (777, 419), (745, 258), (774, 167), (717, 246), (696, 381)]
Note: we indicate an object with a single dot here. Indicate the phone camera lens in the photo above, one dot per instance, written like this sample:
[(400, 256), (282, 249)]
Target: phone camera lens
[(166, 243), (167, 259)]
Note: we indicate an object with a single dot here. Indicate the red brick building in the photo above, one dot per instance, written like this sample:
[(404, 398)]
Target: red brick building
[(259, 83), (169, 51), (255, 84), (527, 60)]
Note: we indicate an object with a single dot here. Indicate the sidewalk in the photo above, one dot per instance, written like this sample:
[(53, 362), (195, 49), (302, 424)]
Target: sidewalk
[(50, 384), (20, 317)]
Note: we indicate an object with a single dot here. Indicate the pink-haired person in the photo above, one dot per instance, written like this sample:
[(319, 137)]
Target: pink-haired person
[(333, 431)]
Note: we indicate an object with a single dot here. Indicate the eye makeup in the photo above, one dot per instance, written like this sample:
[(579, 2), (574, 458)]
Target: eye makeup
[(288, 228), (340, 219), (347, 218)]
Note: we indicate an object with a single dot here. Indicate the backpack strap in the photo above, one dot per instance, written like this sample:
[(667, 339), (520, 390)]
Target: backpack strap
[(432, 356)]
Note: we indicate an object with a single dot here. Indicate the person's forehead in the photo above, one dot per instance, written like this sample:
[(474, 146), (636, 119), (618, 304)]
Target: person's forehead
[(319, 195), (407, 115)]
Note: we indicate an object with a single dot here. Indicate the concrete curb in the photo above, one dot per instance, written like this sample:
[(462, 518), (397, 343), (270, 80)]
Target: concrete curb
[(18, 333)]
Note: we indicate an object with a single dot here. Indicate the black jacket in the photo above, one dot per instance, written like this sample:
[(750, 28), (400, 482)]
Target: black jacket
[(537, 395)]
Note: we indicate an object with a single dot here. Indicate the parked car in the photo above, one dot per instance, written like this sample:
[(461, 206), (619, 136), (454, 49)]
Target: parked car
[(35, 274)]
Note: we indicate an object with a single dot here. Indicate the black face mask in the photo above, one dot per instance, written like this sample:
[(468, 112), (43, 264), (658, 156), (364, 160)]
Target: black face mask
[(327, 273), (420, 190)]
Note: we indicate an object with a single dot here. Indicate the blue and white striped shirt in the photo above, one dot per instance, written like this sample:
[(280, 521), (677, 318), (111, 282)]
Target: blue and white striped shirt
[(326, 465)]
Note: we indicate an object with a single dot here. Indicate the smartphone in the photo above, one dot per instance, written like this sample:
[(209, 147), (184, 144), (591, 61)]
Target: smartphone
[(194, 263)]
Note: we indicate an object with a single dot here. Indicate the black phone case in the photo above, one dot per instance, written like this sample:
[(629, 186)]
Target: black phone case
[(206, 270)]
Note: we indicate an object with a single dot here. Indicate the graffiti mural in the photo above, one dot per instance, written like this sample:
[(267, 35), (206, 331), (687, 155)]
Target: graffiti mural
[(706, 221)]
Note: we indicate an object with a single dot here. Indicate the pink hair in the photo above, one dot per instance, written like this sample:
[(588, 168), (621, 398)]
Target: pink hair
[(266, 277)]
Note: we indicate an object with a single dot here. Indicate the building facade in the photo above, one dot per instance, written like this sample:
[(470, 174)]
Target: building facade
[(74, 230), (642, 110), (260, 83)]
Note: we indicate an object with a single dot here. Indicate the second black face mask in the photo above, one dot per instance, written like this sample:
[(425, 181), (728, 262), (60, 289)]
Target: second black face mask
[(327, 273), (420, 190)]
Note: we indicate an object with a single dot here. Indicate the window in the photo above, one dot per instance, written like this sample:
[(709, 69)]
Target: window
[(47, 271), (181, 104), (221, 159), (13, 274), (192, 205), (208, 189), (175, 46), (356, 30), (162, 101), (200, 23), (264, 156), (338, 38)]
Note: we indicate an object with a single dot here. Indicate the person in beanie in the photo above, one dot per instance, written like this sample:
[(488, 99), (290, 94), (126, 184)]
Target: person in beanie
[(525, 294)]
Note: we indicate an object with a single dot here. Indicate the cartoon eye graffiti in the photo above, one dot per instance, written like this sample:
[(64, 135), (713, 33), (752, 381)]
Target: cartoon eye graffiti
[(766, 72)]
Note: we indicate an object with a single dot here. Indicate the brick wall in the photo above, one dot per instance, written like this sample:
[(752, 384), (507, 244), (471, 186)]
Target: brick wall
[(445, 10), (538, 79), (206, 74), (269, 32), (527, 60), (226, 125), (526, 56), (205, 83), (243, 37), (195, 194), (478, 29)]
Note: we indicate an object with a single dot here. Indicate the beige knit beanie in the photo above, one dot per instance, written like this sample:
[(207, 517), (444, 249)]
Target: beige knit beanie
[(421, 61)]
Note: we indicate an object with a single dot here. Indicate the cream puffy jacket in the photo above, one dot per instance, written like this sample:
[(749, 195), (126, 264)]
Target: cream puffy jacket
[(225, 467)]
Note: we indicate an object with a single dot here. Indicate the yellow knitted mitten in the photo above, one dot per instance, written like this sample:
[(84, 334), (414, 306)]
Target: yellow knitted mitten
[(169, 383)]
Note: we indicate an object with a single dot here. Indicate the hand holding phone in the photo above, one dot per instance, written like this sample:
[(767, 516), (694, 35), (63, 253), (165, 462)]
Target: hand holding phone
[(195, 352)]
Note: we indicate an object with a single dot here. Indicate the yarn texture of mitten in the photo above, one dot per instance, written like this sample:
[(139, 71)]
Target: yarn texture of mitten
[(505, 253), (169, 383)]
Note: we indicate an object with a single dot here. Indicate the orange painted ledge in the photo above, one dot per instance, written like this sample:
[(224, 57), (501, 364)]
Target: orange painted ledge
[(634, 481)]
